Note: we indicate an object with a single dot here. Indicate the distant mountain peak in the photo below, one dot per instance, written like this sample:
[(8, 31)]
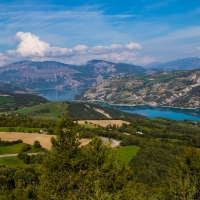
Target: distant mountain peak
[(51, 74), (190, 63)]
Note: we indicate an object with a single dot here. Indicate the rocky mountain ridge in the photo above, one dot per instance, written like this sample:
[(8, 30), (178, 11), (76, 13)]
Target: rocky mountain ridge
[(176, 89), (50, 74)]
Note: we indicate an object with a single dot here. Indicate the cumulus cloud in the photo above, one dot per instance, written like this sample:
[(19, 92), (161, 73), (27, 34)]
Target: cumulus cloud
[(30, 46), (105, 49), (3, 59), (133, 45), (80, 48)]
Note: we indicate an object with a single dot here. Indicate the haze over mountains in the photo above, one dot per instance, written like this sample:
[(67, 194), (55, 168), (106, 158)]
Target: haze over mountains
[(180, 64)]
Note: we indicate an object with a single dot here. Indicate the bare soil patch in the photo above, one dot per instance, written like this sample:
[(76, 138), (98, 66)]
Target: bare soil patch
[(29, 138), (104, 123)]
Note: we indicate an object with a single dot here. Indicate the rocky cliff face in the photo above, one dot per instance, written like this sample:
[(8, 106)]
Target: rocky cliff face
[(49, 74), (177, 89)]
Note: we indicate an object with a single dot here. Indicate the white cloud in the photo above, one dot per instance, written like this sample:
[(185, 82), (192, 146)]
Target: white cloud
[(160, 36), (105, 49), (2, 59), (29, 45), (133, 45), (57, 51), (115, 47), (80, 48), (198, 48), (32, 47)]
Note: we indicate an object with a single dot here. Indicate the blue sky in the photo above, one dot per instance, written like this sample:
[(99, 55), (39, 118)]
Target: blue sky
[(137, 32)]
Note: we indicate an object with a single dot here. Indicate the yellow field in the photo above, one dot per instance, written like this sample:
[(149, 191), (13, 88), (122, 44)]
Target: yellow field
[(104, 123), (29, 138)]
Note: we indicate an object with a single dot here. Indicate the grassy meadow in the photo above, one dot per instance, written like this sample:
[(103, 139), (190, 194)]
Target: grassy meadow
[(55, 110), (11, 149), (14, 161), (6, 100), (88, 126), (126, 153)]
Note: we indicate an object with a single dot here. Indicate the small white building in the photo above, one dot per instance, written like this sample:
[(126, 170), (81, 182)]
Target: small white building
[(140, 133)]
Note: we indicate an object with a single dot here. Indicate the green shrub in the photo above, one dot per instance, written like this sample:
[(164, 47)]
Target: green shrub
[(37, 144), (26, 158), (9, 143), (20, 155), (25, 147)]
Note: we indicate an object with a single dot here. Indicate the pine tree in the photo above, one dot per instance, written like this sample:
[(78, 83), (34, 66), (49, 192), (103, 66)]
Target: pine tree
[(74, 172)]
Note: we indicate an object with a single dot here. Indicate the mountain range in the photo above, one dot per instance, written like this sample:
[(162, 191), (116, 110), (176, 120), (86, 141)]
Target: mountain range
[(180, 64), (176, 89), (174, 83), (50, 74), (56, 75)]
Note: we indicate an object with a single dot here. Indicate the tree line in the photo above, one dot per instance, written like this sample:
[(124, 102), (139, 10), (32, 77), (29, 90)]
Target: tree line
[(160, 170)]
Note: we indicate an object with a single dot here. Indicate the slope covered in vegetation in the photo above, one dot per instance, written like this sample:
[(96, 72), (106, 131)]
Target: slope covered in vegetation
[(55, 110), (161, 169)]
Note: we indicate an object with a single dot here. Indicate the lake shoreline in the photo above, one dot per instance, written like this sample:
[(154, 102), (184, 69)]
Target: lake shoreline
[(139, 105), (147, 110)]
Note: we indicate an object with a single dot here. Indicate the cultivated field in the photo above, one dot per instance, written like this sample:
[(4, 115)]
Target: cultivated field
[(29, 138), (104, 123)]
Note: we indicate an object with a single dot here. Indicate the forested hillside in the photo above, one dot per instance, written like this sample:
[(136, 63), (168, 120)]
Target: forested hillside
[(55, 110), (14, 98), (166, 165)]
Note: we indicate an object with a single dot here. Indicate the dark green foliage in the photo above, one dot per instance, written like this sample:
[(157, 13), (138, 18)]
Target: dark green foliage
[(152, 162), (71, 172), (37, 144), (25, 147), (90, 111), (9, 143), (162, 168), (37, 159), (186, 132), (183, 181), (21, 100), (130, 140), (18, 184), (25, 157), (41, 111), (20, 121), (20, 155), (31, 159)]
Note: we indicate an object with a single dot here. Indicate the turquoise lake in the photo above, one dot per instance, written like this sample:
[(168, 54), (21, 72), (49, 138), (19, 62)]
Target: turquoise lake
[(176, 114), (59, 95), (150, 112)]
